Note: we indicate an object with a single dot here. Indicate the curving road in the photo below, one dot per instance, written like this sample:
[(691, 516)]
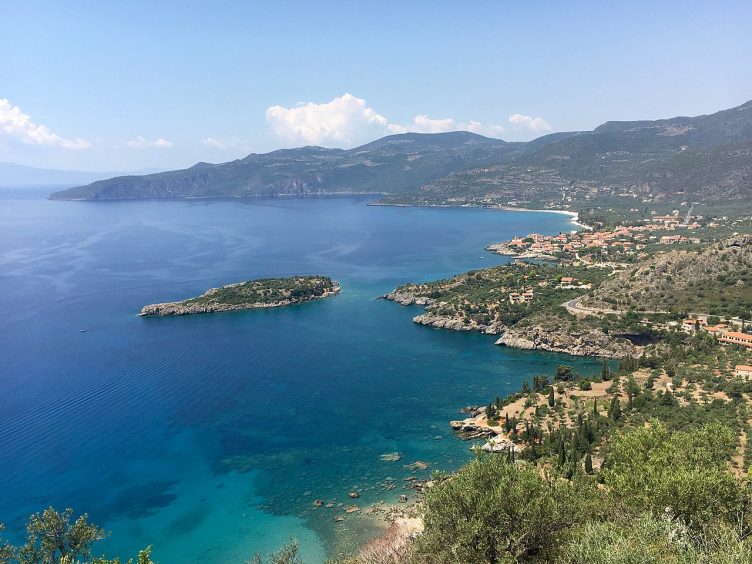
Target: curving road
[(576, 308)]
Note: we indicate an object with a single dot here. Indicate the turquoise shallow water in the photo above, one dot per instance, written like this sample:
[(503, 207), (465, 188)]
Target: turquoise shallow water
[(210, 436)]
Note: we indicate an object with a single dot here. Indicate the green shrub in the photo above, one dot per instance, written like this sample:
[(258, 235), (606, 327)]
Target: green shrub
[(494, 511)]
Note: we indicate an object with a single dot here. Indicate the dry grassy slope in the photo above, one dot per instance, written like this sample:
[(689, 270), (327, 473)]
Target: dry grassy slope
[(717, 279)]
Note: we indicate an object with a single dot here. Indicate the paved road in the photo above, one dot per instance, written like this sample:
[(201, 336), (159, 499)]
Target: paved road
[(576, 308)]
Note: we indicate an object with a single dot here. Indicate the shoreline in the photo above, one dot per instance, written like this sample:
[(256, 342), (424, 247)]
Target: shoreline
[(332, 195), (574, 216)]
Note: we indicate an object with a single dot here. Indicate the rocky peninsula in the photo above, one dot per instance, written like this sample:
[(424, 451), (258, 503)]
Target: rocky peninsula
[(521, 304), (253, 294)]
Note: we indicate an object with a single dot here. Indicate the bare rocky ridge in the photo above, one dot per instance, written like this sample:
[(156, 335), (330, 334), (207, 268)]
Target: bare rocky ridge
[(683, 280)]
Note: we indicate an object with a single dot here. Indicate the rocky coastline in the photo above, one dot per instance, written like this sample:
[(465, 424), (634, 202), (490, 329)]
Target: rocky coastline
[(590, 342), (455, 324), (476, 427), (587, 342), (432, 319)]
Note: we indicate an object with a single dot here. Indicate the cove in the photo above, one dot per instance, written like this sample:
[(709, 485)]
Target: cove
[(210, 436)]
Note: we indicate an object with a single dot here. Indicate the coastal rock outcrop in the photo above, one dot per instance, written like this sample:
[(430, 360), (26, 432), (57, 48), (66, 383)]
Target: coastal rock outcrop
[(591, 342), (407, 299), (499, 443), (469, 429), (456, 324)]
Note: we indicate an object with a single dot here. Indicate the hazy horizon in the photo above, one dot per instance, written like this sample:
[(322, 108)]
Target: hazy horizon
[(140, 86)]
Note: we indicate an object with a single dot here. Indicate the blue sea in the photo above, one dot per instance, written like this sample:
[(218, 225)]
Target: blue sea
[(211, 436)]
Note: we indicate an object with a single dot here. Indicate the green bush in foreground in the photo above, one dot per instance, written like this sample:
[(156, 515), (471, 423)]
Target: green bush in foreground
[(53, 538), (682, 475), (667, 497), (494, 511), (648, 540)]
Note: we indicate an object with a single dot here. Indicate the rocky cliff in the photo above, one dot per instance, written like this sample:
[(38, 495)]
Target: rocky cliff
[(540, 333), (588, 342)]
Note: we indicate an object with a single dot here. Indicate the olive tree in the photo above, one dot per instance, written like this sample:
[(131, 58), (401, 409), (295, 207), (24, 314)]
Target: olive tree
[(52, 537), (682, 475), (495, 511)]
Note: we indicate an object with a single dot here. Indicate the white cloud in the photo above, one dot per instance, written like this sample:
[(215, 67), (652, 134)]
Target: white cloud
[(529, 123), (341, 121), (347, 120), (141, 143), (18, 124)]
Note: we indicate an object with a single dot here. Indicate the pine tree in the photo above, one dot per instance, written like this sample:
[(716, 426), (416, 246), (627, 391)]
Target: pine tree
[(605, 372), (551, 400), (588, 464), (614, 411)]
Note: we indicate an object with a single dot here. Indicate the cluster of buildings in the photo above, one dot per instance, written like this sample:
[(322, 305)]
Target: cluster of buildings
[(591, 246), (723, 331), (521, 297), (736, 338)]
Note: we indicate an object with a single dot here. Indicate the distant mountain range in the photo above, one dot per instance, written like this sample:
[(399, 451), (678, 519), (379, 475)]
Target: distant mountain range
[(705, 158), (699, 158), (394, 164), (21, 176)]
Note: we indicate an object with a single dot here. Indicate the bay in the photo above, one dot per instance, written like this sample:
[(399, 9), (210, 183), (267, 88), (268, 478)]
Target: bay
[(211, 436)]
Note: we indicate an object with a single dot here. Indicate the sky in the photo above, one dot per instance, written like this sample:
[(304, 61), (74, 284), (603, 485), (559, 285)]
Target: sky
[(143, 85)]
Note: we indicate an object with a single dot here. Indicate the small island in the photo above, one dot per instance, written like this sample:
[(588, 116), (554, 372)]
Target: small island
[(260, 293)]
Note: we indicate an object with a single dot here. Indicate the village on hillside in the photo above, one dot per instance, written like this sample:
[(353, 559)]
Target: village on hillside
[(625, 243)]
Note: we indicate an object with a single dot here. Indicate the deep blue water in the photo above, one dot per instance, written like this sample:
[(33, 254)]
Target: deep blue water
[(210, 436)]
